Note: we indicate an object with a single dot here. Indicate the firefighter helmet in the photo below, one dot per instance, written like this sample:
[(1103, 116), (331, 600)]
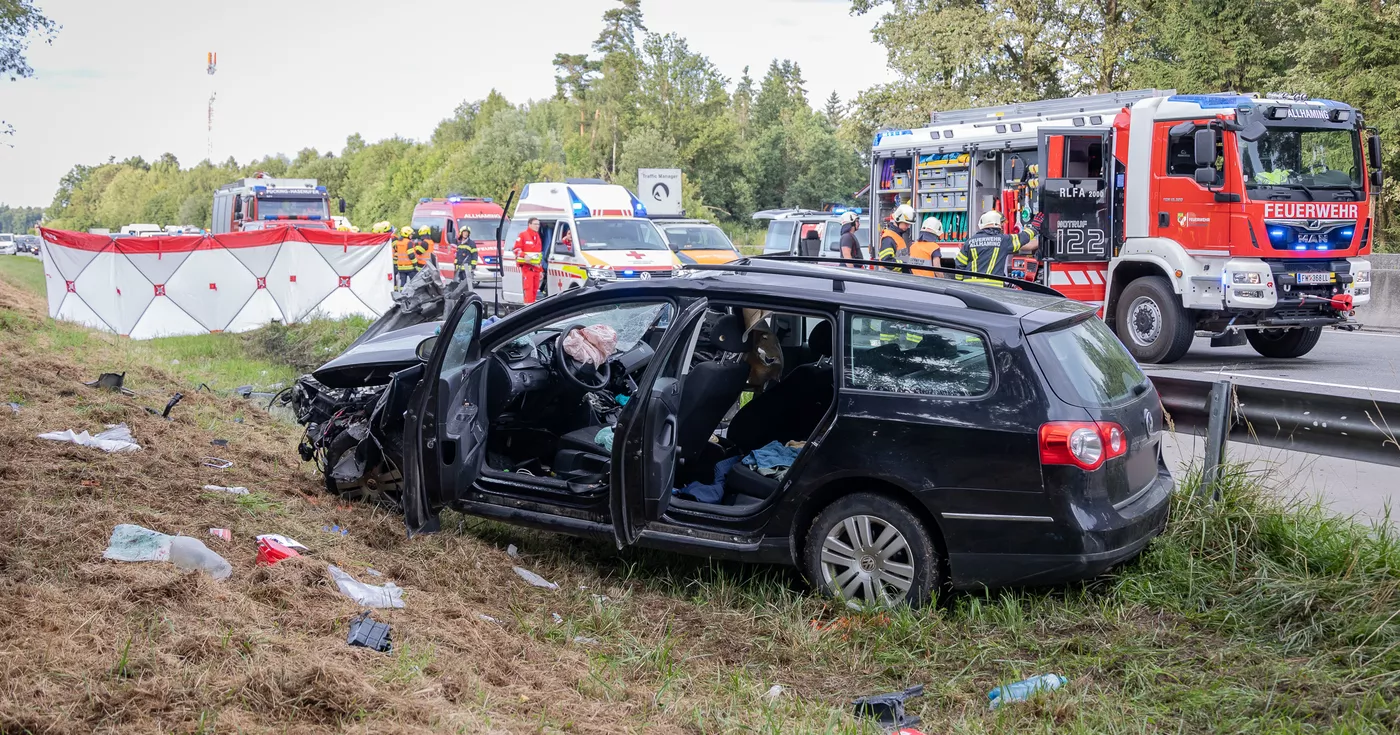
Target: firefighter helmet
[(850, 218), (405, 231), (425, 230), (932, 225), (903, 214), (990, 219), (383, 226)]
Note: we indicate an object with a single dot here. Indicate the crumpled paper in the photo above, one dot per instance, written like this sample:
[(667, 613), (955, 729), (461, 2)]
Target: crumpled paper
[(115, 439), (593, 344)]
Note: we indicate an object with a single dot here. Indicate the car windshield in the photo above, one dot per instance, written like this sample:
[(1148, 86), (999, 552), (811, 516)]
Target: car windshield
[(433, 223), (482, 228), (292, 207), (698, 237), (631, 321), (1303, 158), (1087, 365), (619, 234)]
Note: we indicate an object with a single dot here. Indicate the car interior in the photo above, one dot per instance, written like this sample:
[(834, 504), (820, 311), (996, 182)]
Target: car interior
[(754, 386)]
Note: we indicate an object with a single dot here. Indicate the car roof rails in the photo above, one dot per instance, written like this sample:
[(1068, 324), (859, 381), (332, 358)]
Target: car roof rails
[(777, 265)]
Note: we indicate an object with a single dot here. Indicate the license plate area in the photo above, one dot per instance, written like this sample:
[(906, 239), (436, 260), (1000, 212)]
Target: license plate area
[(1310, 279)]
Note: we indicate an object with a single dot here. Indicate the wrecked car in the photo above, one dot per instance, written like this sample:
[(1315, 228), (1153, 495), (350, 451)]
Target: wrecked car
[(888, 434)]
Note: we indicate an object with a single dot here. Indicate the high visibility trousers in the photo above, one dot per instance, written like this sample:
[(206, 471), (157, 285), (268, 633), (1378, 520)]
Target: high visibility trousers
[(530, 279)]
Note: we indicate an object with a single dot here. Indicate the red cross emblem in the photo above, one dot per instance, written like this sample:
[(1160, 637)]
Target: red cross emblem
[(635, 254), (160, 289), (344, 282), (71, 286), (213, 287), (262, 283)]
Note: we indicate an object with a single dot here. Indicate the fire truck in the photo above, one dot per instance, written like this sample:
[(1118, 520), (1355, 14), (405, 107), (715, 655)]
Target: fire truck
[(448, 217), (262, 202), (1240, 217)]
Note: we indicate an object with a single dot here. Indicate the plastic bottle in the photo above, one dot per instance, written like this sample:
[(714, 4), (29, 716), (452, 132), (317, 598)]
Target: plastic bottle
[(1022, 690), (190, 553)]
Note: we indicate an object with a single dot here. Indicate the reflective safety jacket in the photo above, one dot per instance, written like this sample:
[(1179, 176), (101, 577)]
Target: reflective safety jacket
[(528, 248), (403, 259), (466, 254), (987, 250), (422, 250), (891, 246)]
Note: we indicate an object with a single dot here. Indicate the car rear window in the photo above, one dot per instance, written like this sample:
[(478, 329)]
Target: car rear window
[(1087, 365)]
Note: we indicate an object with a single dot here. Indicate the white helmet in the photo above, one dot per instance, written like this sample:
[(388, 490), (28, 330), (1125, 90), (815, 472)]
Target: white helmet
[(990, 219), (934, 226), (849, 218), (903, 214)]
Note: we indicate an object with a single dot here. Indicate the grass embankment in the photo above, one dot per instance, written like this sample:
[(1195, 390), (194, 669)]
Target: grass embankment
[(1246, 616)]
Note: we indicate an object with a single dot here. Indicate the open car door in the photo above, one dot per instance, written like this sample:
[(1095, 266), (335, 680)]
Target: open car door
[(1078, 178), (445, 426), (644, 444)]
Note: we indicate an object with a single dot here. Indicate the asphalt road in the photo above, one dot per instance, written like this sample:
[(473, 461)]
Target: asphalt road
[(1361, 364)]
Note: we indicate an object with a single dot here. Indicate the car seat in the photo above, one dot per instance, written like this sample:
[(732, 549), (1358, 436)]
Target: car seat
[(791, 409)]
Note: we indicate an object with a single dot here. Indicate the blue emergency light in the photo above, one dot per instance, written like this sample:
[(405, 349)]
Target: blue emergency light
[(638, 209), (321, 189), (424, 200), (454, 199), (580, 209), (260, 188)]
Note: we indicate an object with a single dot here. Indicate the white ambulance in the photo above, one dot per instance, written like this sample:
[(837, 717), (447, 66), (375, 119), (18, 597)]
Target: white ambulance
[(590, 229)]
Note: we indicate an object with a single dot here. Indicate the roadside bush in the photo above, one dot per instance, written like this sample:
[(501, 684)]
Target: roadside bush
[(307, 345)]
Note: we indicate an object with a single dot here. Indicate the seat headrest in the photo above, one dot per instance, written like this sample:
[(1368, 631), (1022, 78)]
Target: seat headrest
[(820, 338), (727, 334)]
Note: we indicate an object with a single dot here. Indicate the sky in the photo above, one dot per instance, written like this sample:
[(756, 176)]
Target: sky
[(295, 74)]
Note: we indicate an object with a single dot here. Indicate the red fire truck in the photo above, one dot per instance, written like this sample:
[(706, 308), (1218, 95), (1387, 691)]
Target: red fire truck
[(448, 217), (261, 202), (1235, 216)]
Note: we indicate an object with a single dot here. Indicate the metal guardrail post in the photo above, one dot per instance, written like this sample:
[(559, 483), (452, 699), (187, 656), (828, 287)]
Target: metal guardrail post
[(1217, 434)]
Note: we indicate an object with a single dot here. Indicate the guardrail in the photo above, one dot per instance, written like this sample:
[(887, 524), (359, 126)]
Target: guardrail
[(1334, 426)]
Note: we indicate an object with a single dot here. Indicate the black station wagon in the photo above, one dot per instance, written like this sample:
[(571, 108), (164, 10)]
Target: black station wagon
[(889, 434)]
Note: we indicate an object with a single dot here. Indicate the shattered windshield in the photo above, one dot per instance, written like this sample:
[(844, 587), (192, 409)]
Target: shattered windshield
[(631, 322), (1304, 158)]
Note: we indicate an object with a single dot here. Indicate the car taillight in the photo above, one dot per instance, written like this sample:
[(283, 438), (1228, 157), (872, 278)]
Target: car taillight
[(1083, 444)]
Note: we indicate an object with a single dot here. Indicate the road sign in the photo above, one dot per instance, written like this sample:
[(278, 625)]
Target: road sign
[(660, 190)]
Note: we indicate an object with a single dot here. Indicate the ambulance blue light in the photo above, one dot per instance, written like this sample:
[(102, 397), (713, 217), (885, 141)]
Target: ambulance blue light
[(580, 209), (454, 199), (638, 209), (321, 189), (260, 188), (629, 273)]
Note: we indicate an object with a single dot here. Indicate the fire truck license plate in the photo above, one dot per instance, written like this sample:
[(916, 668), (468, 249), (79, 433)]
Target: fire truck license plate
[(1312, 278)]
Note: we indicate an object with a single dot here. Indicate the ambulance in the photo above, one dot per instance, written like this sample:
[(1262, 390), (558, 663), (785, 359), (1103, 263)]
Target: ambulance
[(590, 229)]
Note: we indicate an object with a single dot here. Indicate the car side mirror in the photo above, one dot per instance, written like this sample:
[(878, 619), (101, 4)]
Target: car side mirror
[(1205, 176), (424, 351), (1253, 131), (342, 206), (1204, 140)]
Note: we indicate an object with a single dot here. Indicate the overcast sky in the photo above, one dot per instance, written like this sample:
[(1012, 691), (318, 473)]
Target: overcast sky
[(291, 74)]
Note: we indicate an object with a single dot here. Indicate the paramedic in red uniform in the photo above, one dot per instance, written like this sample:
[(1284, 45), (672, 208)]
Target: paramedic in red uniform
[(528, 252)]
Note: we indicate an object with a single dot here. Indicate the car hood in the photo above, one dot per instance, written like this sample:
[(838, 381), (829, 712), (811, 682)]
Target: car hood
[(711, 256), (372, 361)]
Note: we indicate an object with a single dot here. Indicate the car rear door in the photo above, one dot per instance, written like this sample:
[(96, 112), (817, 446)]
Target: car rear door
[(445, 424), (644, 452)]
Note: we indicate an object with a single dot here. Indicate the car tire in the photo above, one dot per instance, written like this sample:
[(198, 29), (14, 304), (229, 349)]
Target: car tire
[(876, 569), (376, 491), (1151, 322), (1284, 343)]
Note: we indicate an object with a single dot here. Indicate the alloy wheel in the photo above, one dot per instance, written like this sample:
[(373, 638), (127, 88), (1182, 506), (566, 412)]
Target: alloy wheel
[(865, 559)]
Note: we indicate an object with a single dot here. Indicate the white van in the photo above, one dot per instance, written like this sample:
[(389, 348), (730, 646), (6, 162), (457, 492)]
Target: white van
[(611, 237)]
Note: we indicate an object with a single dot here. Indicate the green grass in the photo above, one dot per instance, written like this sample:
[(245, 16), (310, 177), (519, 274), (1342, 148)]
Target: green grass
[(25, 272)]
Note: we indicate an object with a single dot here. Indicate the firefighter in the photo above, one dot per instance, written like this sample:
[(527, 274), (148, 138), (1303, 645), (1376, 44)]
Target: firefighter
[(988, 249), (404, 266), (850, 246), (466, 254), (424, 249), (892, 240), (926, 247), (529, 251)]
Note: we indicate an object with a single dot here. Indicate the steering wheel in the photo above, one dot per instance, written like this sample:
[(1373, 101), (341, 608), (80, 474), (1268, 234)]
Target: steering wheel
[(570, 368)]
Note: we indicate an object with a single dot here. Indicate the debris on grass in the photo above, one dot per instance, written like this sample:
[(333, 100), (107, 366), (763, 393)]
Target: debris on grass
[(888, 709), (112, 382), (512, 552), (130, 542), (218, 464), (488, 618), (535, 579), (219, 442), (336, 530), (369, 595), (14, 407), (115, 439), (229, 490), (270, 552), (558, 619), (169, 406), (773, 692), (286, 541), (222, 533), (585, 641), (1022, 690), (187, 552), (368, 633)]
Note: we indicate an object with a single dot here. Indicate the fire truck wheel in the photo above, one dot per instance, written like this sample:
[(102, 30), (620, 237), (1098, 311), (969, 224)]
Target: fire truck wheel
[(1284, 342), (1152, 323)]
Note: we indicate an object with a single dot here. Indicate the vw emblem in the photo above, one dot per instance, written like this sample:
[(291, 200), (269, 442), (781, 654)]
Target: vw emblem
[(1147, 420), (645, 275)]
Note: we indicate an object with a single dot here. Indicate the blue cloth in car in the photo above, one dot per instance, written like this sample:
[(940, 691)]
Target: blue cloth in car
[(604, 438), (772, 457), (713, 492)]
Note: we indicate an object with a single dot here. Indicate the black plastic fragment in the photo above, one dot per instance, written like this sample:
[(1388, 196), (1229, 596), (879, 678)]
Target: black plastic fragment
[(367, 633)]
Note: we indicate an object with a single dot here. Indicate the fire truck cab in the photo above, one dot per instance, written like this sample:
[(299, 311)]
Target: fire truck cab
[(449, 218), (1234, 216), (262, 202)]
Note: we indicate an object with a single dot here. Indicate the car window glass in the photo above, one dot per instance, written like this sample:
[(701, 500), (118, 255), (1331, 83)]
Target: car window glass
[(459, 346), (779, 239), (1087, 365), (895, 356), (516, 227), (631, 321)]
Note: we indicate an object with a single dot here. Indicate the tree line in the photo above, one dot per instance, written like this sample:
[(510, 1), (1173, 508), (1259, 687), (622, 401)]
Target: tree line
[(19, 220)]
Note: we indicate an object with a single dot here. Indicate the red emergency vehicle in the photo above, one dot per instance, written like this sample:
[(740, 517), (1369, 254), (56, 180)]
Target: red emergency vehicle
[(448, 216), (262, 201), (1235, 216)]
